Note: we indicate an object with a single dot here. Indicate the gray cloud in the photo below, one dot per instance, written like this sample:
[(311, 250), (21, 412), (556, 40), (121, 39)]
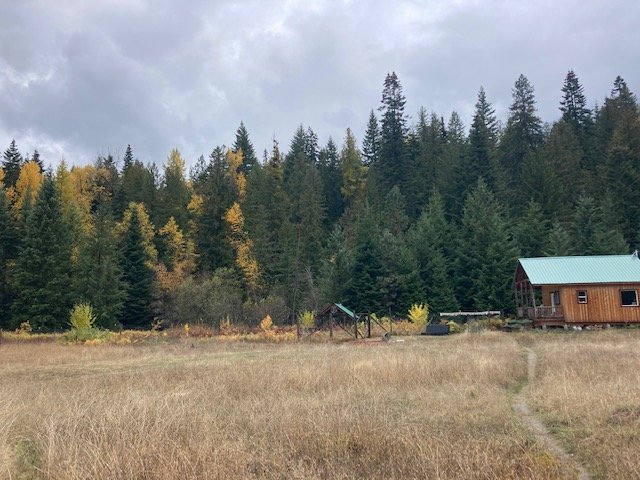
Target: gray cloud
[(85, 78)]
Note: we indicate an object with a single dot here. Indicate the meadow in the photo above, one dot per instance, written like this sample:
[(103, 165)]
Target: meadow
[(416, 407)]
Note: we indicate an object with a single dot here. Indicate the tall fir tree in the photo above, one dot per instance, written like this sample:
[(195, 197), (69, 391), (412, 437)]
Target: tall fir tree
[(389, 169), (12, 162), (371, 141), (243, 143), (329, 168), (483, 136), (174, 193), (593, 232), (486, 255), (8, 241), (137, 272), (98, 278), (43, 267)]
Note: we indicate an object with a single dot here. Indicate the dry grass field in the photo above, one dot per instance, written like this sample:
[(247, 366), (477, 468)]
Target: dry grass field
[(414, 408), (587, 391)]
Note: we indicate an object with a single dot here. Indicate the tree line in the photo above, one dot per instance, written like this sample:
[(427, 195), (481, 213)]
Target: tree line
[(417, 212)]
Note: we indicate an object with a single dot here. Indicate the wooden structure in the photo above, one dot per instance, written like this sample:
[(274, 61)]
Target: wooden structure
[(579, 290), (336, 316)]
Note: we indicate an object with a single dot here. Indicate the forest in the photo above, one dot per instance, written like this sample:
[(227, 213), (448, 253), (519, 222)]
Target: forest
[(423, 212)]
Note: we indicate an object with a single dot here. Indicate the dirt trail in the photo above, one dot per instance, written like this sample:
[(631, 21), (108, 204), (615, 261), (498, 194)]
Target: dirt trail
[(538, 429)]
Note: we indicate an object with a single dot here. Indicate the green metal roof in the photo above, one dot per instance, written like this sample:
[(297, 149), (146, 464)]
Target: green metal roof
[(346, 310), (582, 270)]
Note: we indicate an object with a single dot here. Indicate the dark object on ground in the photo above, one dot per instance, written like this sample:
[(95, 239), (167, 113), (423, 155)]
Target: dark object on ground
[(386, 337), (435, 329)]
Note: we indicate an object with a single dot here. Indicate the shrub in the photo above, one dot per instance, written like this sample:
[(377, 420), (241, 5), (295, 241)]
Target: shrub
[(266, 324), (454, 327), (307, 319), (419, 314), (82, 317)]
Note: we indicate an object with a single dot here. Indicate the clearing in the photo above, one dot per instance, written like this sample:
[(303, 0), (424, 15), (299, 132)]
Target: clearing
[(413, 408)]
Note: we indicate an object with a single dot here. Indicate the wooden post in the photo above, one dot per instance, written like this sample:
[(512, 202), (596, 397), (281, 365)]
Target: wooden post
[(331, 326), (368, 326)]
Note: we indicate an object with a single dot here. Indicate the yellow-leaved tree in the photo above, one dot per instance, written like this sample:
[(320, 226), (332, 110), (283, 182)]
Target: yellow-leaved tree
[(240, 241), (235, 164), (1, 177), (27, 186)]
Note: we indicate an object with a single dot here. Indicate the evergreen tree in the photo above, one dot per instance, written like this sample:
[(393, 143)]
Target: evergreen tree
[(8, 239), (363, 292), (523, 135), (400, 284), (482, 142), (11, 164), (137, 184), (558, 242), (215, 192), (98, 276), (430, 239), (137, 274), (35, 158), (329, 168), (243, 143), (371, 142), (592, 231), (487, 253), (311, 145), (390, 169), (574, 104), (43, 267), (128, 158), (532, 231)]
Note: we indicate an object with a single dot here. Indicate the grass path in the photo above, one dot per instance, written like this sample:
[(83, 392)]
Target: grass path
[(537, 428)]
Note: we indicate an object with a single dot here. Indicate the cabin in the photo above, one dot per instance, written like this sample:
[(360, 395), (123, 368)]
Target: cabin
[(579, 290)]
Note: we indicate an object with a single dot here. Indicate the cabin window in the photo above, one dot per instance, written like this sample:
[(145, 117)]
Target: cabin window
[(582, 296), (555, 298), (629, 298)]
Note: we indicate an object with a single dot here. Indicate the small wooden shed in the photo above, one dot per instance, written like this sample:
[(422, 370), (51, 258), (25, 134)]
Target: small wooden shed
[(578, 290)]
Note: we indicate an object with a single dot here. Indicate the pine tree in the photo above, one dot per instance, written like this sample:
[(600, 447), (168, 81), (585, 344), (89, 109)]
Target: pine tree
[(363, 293), (390, 169), (43, 267), (329, 168), (558, 242), (371, 141), (482, 142), (429, 239), (11, 164), (532, 231), (214, 193), (98, 276), (523, 135), (37, 160), (574, 104), (137, 273), (8, 239), (128, 158), (243, 143), (592, 231), (487, 253)]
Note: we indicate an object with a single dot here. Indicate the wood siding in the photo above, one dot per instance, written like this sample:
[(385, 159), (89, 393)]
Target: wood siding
[(603, 303)]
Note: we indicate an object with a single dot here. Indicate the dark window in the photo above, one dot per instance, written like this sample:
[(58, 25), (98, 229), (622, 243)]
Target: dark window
[(555, 298), (629, 298), (582, 296)]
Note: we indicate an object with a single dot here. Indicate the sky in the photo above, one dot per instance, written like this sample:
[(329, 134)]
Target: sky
[(80, 79)]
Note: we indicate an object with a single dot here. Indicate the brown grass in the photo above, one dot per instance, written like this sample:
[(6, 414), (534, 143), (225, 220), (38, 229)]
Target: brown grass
[(200, 408), (588, 391)]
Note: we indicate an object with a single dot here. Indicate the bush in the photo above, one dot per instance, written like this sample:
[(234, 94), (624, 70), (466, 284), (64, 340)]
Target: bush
[(82, 317), (454, 327), (419, 314), (266, 324), (307, 319)]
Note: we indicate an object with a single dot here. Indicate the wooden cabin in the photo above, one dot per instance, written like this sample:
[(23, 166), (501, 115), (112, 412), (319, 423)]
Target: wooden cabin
[(588, 290)]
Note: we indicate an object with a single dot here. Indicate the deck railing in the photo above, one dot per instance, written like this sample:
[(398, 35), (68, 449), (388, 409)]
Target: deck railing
[(544, 312)]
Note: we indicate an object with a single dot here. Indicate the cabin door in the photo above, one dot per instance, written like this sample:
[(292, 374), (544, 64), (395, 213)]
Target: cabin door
[(555, 300)]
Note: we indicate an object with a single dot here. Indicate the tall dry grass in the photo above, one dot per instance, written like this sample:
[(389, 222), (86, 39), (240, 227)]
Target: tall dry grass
[(588, 391), (421, 408)]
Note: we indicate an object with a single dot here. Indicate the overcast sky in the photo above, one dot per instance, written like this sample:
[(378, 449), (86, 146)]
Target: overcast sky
[(83, 78)]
